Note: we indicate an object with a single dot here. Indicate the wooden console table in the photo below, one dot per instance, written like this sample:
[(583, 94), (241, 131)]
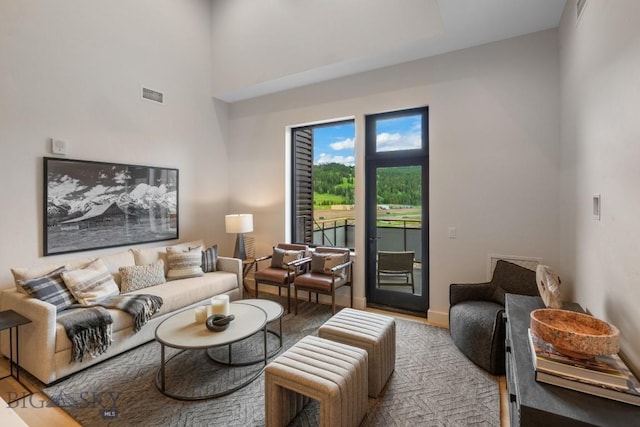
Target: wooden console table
[(532, 403)]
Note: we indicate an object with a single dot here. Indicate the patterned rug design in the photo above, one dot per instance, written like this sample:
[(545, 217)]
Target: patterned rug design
[(433, 385)]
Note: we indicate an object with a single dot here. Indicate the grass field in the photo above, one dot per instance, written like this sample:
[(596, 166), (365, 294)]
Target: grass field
[(386, 218), (324, 200)]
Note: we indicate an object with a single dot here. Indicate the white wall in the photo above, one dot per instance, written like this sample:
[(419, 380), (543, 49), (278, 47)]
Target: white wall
[(494, 152), (600, 74), (260, 42), (73, 70)]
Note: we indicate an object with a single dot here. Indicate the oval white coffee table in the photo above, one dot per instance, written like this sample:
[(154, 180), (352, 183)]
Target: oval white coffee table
[(180, 331), (274, 312)]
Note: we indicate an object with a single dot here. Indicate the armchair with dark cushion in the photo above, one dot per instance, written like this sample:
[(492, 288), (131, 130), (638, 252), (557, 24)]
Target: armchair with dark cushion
[(475, 314)]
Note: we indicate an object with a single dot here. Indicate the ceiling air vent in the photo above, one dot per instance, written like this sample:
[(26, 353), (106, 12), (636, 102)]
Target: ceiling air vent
[(580, 8), (152, 95)]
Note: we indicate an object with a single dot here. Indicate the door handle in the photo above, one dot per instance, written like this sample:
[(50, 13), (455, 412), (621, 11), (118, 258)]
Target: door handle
[(374, 238)]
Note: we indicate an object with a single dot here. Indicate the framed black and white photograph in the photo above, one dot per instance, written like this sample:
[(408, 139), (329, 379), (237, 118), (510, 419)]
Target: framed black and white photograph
[(91, 205)]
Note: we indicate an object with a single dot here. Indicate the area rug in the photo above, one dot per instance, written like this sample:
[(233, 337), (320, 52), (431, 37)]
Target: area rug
[(433, 385)]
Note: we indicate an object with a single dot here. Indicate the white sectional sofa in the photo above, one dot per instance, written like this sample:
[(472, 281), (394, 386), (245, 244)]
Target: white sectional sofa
[(45, 350)]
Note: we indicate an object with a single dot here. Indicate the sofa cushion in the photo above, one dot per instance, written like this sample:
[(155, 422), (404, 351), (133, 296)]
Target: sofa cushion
[(150, 255), (49, 288), (90, 283), (176, 295), (184, 263), (146, 256), (117, 260), (210, 259), (141, 276), (26, 273)]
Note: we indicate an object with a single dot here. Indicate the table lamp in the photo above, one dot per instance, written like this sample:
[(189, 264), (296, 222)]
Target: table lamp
[(238, 224)]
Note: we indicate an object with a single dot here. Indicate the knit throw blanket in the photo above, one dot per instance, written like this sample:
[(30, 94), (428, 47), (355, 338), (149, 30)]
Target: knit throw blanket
[(140, 307), (89, 329)]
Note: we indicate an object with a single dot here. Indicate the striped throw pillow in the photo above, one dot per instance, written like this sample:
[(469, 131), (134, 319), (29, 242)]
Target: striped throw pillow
[(91, 283), (49, 288), (210, 259), (184, 264)]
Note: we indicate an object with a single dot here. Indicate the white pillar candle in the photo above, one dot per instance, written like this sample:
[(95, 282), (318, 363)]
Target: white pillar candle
[(217, 306), (225, 301), (201, 314)]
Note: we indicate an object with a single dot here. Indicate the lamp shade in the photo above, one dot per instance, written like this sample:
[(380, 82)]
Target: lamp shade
[(238, 223)]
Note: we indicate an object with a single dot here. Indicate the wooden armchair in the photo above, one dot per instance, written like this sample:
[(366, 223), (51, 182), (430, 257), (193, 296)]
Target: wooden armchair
[(287, 261), (329, 269)]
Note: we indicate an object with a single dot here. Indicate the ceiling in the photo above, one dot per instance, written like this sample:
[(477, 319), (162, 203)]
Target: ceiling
[(454, 25)]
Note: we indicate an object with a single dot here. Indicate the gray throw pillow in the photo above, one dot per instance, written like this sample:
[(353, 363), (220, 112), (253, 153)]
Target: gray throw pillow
[(280, 257), (210, 259), (324, 262), (49, 288)]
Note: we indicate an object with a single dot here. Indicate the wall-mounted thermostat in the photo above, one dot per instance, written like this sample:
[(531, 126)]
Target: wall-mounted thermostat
[(58, 146)]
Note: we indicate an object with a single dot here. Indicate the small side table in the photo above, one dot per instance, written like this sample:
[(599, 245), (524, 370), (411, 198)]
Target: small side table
[(247, 266), (11, 320)]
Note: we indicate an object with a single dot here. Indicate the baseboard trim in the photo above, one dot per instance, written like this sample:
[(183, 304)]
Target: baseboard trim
[(438, 318)]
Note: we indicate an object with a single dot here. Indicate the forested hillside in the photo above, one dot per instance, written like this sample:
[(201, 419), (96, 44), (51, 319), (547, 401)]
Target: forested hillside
[(334, 184)]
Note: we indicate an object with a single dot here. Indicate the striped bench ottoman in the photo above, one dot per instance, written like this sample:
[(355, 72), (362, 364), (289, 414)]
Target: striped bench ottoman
[(371, 332), (333, 374)]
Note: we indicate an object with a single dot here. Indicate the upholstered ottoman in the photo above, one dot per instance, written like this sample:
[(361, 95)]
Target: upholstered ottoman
[(371, 332), (333, 374)]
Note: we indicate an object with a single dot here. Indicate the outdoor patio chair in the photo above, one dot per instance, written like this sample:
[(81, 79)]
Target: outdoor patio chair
[(396, 265)]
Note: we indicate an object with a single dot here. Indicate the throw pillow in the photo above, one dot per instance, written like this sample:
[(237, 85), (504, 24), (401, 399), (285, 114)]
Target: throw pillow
[(324, 262), (281, 257), (91, 283), (184, 263), (141, 276), (49, 288), (210, 259), (20, 273)]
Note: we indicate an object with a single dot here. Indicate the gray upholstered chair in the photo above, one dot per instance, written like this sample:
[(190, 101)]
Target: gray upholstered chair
[(475, 314)]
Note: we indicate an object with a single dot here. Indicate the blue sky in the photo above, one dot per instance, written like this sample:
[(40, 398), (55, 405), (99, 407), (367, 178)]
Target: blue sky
[(336, 144)]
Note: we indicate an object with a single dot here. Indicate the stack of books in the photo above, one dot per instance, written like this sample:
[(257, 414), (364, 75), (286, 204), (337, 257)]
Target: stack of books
[(604, 376)]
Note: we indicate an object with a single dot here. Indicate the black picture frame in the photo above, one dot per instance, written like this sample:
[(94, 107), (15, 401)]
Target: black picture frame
[(95, 205)]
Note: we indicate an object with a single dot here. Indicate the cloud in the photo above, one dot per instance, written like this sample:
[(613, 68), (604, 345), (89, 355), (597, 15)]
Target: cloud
[(345, 144), (121, 177), (64, 186), (325, 158), (398, 141)]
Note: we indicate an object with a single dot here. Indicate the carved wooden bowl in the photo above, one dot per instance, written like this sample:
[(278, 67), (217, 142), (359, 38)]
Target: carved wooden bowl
[(575, 334)]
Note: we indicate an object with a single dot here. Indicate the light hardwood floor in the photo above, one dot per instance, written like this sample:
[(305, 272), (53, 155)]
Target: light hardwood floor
[(34, 409)]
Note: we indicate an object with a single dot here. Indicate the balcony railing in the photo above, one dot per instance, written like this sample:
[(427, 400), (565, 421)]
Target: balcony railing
[(394, 234)]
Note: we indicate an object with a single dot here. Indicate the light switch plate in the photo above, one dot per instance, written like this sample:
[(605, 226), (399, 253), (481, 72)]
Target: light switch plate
[(596, 207)]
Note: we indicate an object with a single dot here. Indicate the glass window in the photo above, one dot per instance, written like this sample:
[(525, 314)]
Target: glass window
[(399, 133), (324, 183)]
